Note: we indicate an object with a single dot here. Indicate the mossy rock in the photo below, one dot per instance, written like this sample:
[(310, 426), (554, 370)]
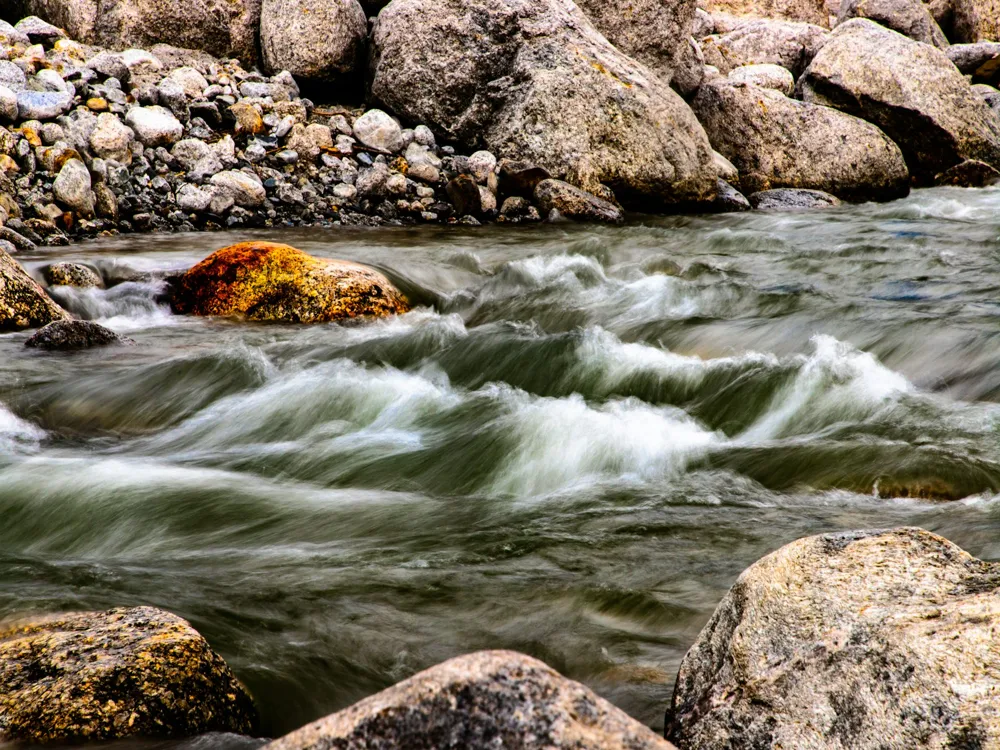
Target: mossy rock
[(267, 281), (23, 303), (87, 676)]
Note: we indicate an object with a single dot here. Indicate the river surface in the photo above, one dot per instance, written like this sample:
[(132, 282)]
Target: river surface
[(571, 447)]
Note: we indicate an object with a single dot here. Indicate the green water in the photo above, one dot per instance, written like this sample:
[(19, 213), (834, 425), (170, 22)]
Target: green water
[(570, 448)]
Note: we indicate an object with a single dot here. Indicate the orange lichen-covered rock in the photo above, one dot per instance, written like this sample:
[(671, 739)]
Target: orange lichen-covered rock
[(107, 675), (268, 281)]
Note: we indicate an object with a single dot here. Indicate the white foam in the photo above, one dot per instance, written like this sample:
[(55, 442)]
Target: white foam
[(16, 434)]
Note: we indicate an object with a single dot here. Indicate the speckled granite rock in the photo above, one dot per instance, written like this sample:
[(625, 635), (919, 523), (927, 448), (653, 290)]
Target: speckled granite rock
[(490, 699), (105, 675), (869, 639), (23, 303), (64, 335), (71, 274)]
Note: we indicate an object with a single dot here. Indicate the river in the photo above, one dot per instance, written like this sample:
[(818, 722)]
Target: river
[(571, 447)]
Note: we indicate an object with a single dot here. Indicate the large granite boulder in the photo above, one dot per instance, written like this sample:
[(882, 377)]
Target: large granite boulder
[(868, 640), (534, 80), (654, 32), (23, 303), (806, 11), (785, 43), (93, 676), (911, 18), (266, 281), (912, 91), (489, 699), (975, 21), (318, 40), (777, 142), (224, 28)]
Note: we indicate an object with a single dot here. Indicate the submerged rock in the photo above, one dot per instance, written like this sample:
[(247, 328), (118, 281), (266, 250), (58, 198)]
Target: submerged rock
[(868, 639), (266, 281), (787, 199), (489, 699), (535, 81), (971, 173), (23, 303), (74, 334), (910, 90), (777, 142), (576, 204), (91, 676)]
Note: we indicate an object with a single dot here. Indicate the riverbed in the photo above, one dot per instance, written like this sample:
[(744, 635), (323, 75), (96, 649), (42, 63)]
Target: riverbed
[(571, 446)]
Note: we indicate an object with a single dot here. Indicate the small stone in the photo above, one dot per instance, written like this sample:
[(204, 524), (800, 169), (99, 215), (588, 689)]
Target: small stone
[(193, 199), (42, 105), (345, 191), (72, 188), (105, 202), (729, 199), (464, 194), (423, 135), (247, 189), (72, 274), (287, 156), (109, 65), (340, 124), (481, 166), (248, 119), (39, 31), (97, 104), (154, 126), (377, 130), (766, 76), (424, 173), (48, 80), (111, 139), (310, 140), (196, 158), (520, 178), (190, 80), (12, 76)]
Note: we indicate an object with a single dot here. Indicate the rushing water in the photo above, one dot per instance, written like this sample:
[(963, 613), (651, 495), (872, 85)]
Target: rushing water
[(571, 447)]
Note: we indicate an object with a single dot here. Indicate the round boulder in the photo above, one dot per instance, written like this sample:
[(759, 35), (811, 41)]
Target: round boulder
[(864, 639), (65, 335), (317, 40), (266, 281), (765, 75), (94, 676)]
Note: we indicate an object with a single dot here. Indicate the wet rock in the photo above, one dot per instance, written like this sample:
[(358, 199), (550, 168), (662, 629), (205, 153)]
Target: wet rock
[(67, 335), (777, 142), (72, 188), (654, 32), (23, 303), (910, 18), (975, 21), (980, 60), (535, 81), (970, 173), (729, 199), (111, 139), (910, 90), (806, 11), (790, 45), (378, 130), (574, 203), (42, 105), (788, 199), (71, 274), (246, 189), (154, 126), (766, 76), (464, 194), (265, 281), (486, 699), (315, 39), (91, 676), (849, 639)]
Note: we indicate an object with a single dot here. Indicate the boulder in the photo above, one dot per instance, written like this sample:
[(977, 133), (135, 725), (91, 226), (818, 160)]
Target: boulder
[(766, 76), (223, 28), (23, 303), (266, 281), (911, 18), (67, 335), (806, 11), (654, 32), (910, 90), (318, 40), (865, 639), (71, 274), (154, 126), (980, 60), (975, 21), (777, 142), (789, 199), (573, 203), (94, 676), (534, 80), (970, 173), (71, 188), (790, 45), (488, 699)]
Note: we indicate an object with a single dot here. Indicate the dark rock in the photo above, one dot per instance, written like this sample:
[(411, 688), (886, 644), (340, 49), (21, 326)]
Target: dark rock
[(574, 203), (23, 303), (910, 90), (519, 178), (981, 60), (788, 199), (490, 699), (729, 199), (63, 335), (93, 676), (464, 194), (971, 173), (865, 639)]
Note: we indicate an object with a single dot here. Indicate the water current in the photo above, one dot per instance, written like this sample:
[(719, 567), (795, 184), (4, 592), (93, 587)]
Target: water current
[(570, 447)]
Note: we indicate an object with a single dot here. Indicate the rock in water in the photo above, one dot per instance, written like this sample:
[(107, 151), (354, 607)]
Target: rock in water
[(777, 142), (910, 90), (91, 676), (266, 281), (63, 335), (787, 199), (23, 303), (72, 274), (576, 204), (867, 640), (971, 173), (654, 32), (488, 699), (534, 80), (316, 39)]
